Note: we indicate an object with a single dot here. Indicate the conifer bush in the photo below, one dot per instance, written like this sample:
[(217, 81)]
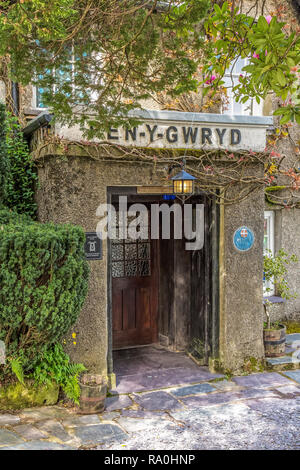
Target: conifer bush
[(43, 284)]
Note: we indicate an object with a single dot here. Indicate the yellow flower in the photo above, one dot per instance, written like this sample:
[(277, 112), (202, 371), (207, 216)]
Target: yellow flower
[(74, 342), (73, 335)]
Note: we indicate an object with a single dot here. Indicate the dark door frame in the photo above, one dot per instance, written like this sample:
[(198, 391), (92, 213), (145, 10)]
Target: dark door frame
[(212, 231)]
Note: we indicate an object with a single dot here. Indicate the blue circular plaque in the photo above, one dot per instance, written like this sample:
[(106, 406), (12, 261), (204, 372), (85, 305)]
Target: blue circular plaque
[(243, 238)]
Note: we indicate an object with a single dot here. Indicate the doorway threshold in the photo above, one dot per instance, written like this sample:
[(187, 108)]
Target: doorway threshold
[(153, 367)]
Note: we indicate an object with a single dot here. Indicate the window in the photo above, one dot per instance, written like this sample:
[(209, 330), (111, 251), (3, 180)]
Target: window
[(230, 105), (64, 76), (269, 245)]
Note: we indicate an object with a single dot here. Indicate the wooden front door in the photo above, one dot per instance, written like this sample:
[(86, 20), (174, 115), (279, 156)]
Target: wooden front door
[(134, 292)]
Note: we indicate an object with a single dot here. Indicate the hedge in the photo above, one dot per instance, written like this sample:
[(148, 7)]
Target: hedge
[(43, 284)]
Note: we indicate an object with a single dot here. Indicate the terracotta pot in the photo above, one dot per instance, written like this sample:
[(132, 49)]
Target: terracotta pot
[(93, 394), (274, 342)]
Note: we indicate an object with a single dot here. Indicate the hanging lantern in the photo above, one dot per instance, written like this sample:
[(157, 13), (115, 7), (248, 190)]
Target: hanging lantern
[(183, 184)]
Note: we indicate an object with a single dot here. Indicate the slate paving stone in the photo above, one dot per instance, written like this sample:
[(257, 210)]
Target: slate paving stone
[(293, 374), (262, 380), (226, 385), (8, 419), (292, 337), (117, 402), (210, 399), (193, 390), (157, 423), (257, 393), (39, 414), (141, 414), (283, 360), (110, 415), (89, 435), (157, 401), (81, 420), (54, 428), (163, 378), (8, 438), (29, 432), (289, 390), (39, 445)]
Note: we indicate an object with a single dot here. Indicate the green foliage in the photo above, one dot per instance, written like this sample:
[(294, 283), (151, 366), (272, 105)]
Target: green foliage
[(44, 280), (54, 365), (3, 155), (8, 216), (275, 270), (273, 54), (21, 176), (17, 368), (123, 52)]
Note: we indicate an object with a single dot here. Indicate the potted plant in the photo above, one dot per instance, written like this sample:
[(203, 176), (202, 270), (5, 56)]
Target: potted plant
[(275, 270)]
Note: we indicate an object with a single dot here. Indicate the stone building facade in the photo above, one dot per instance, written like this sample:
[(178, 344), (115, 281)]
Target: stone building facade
[(212, 295)]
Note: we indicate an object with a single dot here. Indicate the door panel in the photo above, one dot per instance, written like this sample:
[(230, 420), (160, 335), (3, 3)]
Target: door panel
[(134, 292)]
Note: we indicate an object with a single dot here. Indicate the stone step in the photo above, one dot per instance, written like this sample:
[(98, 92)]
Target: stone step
[(283, 363), (291, 360)]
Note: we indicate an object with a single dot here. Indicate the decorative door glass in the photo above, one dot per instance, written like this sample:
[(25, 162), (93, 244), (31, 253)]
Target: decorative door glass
[(130, 258)]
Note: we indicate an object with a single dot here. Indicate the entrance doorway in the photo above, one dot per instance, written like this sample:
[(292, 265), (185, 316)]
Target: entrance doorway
[(159, 292)]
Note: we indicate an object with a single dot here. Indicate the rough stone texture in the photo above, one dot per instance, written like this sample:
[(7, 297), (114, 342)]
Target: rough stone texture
[(241, 291), (8, 419), (54, 428), (252, 417), (210, 400), (287, 223), (193, 390), (157, 401), (40, 414), (90, 435), (117, 402), (39, 445), (265, 380), (8, 438), (74, 422), (70, 191), (295, 375), (141, 369), (29, 432)]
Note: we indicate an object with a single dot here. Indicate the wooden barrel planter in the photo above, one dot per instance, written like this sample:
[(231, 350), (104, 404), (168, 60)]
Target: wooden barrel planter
[(274, 342), (93, 394)]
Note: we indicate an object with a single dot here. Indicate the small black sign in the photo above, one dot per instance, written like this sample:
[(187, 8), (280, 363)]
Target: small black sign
[(92, 246)]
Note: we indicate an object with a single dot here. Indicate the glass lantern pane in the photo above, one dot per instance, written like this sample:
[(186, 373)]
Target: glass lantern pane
[(187, 186), (178, 186)]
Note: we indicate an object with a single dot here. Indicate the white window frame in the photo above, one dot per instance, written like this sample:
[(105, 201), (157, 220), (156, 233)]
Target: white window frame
[(251, 107), (269, 216)]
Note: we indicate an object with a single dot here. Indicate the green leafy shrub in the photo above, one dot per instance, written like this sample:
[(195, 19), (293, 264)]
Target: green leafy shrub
[(8, 216), (275, 270), (44, 281), (21, 177), (54, 366), (3, 155)]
